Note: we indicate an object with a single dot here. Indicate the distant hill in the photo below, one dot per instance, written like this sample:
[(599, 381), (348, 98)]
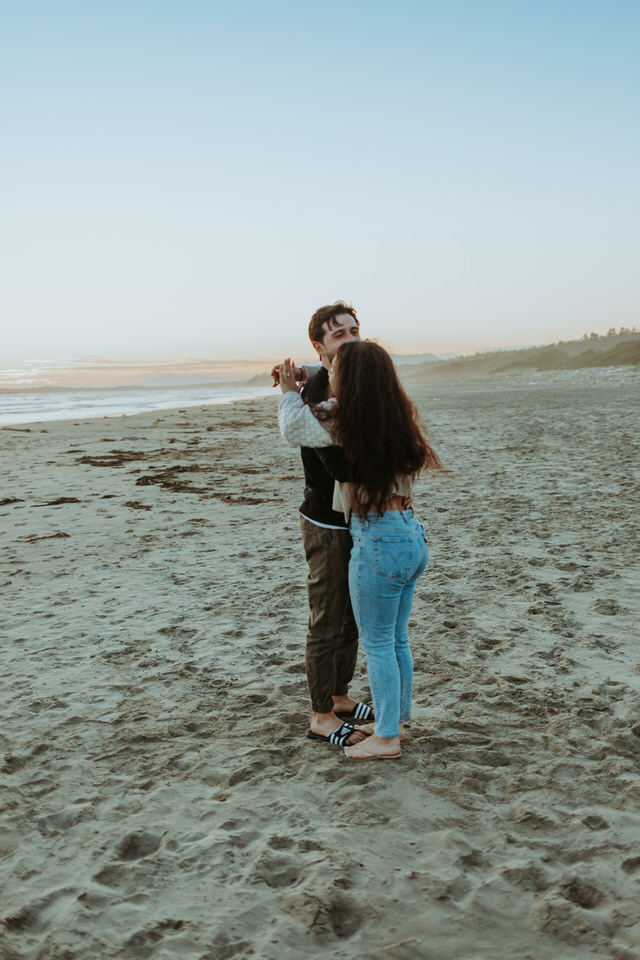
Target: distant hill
[(556, 358), (400, 359), (613, 350)]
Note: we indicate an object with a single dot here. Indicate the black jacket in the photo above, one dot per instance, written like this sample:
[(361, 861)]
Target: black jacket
[(318, 491)]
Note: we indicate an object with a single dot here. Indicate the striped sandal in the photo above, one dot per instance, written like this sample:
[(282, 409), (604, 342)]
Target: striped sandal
[(360, 712), (339, 736)]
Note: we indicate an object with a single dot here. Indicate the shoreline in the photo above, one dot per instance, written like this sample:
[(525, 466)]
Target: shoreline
[(418, 386), (54, 416)]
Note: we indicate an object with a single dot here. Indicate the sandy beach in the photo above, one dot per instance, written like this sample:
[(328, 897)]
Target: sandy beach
[(159, 798)]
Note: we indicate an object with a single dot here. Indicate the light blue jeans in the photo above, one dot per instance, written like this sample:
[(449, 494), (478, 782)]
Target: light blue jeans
[(388, 555)]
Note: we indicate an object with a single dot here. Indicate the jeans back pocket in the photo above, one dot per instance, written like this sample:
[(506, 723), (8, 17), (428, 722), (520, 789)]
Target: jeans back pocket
[(394, 558)]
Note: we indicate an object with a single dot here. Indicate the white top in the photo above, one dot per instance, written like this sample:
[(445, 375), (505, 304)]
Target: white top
[(298, 425), (300, 428)]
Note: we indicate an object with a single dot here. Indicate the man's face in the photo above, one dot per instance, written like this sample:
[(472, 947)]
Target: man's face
[(343, 329)]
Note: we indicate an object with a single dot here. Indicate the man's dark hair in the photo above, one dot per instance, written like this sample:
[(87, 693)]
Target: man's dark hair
[(328, 315)]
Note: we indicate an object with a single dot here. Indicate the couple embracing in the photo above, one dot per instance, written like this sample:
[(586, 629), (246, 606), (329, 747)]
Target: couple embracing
[(363, 448)]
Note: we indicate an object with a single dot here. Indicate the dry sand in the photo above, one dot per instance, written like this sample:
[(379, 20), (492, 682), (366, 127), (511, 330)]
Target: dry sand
[(159, 797)]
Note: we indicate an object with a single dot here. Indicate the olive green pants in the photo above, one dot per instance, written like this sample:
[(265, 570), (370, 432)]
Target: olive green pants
[(332, 639)]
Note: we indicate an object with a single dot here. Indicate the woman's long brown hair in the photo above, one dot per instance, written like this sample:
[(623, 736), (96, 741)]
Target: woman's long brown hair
[(375, 423)]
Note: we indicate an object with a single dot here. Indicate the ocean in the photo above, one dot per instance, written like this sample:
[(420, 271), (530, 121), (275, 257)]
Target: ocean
[(45, 405)]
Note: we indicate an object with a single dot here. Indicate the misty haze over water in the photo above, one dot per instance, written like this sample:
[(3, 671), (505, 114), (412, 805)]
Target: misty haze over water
[(25, 406)]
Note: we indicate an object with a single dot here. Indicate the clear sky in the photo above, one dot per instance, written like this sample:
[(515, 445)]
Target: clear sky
[(192, 178)]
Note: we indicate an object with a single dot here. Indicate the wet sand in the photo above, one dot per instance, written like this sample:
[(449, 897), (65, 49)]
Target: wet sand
[(159, 798)]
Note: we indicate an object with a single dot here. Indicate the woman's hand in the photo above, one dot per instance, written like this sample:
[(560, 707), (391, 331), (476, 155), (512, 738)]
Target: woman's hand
[(275, 373), (288, 372)]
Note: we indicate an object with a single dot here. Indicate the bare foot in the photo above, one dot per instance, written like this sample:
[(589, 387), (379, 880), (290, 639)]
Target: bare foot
[(324, 724), (345, 706), (370, 729), (375, 748)]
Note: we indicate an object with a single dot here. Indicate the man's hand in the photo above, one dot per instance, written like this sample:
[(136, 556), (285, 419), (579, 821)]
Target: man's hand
[(276, 372), (288, 377)]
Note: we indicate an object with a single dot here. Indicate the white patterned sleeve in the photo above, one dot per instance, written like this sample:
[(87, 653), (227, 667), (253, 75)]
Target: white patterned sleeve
[(298, 425)]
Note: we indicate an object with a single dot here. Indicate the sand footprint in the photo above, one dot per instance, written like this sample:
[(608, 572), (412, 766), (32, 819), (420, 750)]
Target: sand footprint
[(328, 913), (137, 845)]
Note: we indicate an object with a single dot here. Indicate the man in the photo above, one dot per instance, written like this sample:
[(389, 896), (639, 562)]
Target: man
[(332, 638)]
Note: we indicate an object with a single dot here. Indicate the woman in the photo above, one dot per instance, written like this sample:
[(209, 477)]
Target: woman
[(380, 448)]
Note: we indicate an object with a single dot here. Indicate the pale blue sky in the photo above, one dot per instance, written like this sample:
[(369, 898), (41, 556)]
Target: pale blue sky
[(192, 179)]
